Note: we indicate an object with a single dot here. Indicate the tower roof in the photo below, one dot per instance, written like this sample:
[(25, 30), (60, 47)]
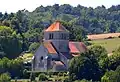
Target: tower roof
[(56, 26)]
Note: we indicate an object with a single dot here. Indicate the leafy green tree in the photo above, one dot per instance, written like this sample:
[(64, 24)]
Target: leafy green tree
[(5, 77), (84, 67), (113, 61), (9, 43), (14, 67), (111, 76), (100, 53)]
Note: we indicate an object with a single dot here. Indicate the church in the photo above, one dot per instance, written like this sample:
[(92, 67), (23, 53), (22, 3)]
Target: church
[(56, 50)]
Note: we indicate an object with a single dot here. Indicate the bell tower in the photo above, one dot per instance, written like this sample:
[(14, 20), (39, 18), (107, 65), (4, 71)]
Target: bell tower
[(59, 36)]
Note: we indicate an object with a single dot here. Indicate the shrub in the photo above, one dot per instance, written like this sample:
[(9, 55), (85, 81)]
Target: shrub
[(60, 74), (42, 77), (5, 77)]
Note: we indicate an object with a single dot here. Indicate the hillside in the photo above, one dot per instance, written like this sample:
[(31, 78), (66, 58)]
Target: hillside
[(92, 20), (109, 44), (79, 20)]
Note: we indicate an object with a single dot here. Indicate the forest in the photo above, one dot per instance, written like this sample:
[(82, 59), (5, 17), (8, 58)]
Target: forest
[(23, 32)]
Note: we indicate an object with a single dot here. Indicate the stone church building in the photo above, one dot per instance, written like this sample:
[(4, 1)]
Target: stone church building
[(56, 50)]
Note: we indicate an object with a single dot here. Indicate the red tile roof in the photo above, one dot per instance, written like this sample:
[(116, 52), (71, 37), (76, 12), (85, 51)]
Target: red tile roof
[(73, 48), (77, 47), (49, 47), (56, 26)]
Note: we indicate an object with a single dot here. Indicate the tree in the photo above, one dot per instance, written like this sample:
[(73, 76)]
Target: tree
[(100, 53), (20, 24), (9, 43), (14, 67), (113, 61), (111, 76), (84, 67)]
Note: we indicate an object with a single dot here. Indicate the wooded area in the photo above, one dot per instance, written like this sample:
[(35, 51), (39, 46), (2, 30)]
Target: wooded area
[(23, 32)]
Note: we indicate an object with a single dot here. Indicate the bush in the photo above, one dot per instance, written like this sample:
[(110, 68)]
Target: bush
[(42, 77), (5, 77), (66, 79), (60, 74), (118, 36)]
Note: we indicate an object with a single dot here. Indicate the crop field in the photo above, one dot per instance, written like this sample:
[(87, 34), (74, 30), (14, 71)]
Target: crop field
[(109, 44)]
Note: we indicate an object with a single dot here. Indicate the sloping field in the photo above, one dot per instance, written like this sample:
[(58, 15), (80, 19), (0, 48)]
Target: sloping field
[(102, 36), (109, 44)]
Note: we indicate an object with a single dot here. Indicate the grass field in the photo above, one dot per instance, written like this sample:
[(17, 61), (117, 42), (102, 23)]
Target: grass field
[(109, 44)]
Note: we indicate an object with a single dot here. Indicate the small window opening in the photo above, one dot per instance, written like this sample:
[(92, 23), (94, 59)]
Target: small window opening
[(51, 36)]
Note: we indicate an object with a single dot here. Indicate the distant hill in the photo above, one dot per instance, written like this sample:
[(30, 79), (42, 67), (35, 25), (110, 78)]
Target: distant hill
[(92, 20), (79, 20)]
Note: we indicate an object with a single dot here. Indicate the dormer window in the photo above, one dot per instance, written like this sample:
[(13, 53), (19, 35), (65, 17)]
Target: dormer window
[(51, 36)]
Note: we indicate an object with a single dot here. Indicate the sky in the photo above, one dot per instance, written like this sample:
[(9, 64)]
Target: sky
[(30, 5)]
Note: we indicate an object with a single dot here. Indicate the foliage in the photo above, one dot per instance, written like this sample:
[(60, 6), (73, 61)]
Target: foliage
[(9, 43), (112, 62), (22, 31), (80, 19), (111, 76), (5, 77), (84, 67), (26, 57), (33, 47), (14, 67), (42, 77), (100, 54)]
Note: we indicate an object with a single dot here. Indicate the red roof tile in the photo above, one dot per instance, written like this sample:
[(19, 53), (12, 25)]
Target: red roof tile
[(56, 26), (73, 48), (79, 46), (49, 47)]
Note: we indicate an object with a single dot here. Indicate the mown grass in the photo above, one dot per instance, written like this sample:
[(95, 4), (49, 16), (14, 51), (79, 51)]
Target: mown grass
[(109, 44)]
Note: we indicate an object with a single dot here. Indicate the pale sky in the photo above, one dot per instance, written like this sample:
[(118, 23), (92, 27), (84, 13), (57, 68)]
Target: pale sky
[(30, 5)]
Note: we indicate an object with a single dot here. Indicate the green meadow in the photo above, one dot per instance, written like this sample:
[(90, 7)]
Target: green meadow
[(109, 44)]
